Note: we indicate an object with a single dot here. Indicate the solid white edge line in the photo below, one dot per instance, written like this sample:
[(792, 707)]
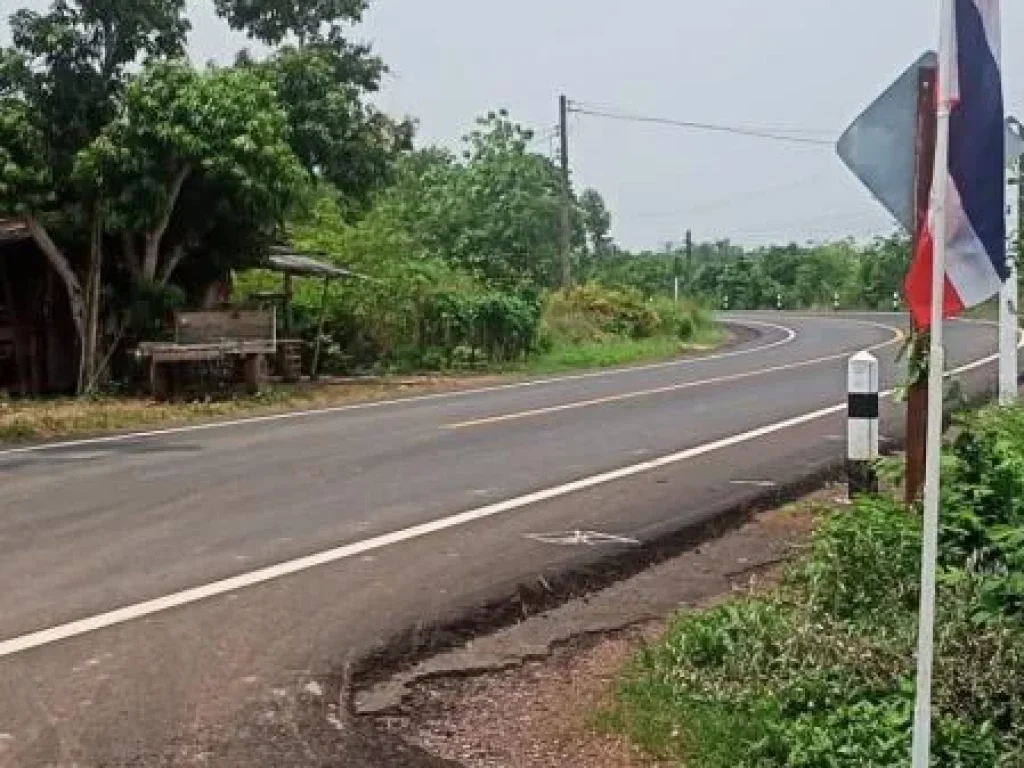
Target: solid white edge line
[(272, 573), (790, 336)]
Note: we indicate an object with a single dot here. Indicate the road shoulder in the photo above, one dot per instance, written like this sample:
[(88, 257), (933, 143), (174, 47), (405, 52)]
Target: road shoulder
[(527, 695)]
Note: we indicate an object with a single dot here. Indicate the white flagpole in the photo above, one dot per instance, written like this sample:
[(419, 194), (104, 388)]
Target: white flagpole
[(1008, 297), (936, 371)]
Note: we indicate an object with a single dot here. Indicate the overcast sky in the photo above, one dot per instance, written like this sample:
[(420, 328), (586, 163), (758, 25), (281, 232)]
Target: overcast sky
[(790, 64)]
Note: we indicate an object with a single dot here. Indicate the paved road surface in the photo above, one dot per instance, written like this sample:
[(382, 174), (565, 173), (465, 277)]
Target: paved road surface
[(180, 598)]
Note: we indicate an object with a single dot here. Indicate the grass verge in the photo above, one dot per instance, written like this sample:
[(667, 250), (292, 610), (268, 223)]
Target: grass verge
[(46, 419), (618, 351), (820, 671)]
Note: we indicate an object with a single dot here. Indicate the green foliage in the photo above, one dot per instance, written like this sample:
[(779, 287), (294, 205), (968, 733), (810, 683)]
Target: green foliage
[(864, 565), (339, 138), (820, 672), (806, 277), (495, 214), (272, 21), (983, 498), (597, 222), (220, 127), (25, 183)]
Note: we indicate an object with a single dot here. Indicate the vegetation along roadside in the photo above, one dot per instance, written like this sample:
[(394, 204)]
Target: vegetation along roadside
[(820, 671)]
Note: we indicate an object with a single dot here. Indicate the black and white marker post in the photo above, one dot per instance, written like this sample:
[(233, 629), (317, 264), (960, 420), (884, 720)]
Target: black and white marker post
[(862, 430)]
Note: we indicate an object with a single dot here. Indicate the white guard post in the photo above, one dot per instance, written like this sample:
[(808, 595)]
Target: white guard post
[(862, 429)]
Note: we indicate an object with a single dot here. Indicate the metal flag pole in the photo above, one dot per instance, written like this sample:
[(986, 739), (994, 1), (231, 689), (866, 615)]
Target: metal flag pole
[(936, 371), (1008, 297)]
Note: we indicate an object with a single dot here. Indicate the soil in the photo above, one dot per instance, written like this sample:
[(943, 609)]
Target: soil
[(528, 697)]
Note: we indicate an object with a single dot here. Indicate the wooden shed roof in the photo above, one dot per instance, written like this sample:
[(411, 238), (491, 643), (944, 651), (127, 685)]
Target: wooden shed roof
[(13, 230), (290, 263)]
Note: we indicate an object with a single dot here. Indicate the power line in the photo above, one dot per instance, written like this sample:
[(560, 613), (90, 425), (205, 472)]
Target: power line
[(780, 135), (733, 201), (846, 220)]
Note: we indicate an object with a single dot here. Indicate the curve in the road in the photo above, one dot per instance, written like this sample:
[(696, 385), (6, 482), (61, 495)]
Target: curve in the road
[(898, 337), (185, 597), (789, 335)]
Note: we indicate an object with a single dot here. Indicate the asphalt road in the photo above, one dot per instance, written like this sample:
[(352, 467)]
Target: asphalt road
[(184, 598)]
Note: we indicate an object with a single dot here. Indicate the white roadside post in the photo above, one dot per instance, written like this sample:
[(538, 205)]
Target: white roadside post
[(1008, 297), (862, 426)]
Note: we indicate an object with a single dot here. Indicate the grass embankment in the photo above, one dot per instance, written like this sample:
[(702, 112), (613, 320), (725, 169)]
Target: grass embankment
[(820, 671), (580, 333)]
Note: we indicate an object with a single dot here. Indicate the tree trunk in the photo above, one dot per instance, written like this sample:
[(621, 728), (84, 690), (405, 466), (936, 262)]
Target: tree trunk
[(177, 255), (88, 373), (72, 285), (154, 238), (131, 254)]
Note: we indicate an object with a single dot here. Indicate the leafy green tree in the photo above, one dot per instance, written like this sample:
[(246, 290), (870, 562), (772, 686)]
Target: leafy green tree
[(60, 84), (272, 21), (185, 133), (597, 222), (495, 214), (339, 137)]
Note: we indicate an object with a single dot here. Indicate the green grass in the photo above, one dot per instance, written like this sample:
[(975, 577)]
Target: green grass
[(617, 352), (43, 419), (819, 673)]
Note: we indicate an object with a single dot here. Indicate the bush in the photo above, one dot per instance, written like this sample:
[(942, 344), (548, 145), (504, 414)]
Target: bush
[(984, 504), (863, 563), (594, 313), (820, 672)]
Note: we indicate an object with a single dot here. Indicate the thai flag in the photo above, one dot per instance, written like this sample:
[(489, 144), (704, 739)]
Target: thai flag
[(973, 173)]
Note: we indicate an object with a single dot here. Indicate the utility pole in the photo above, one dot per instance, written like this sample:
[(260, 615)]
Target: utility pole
[(689, 262), (917, 394), (563, 130), (677, 269)]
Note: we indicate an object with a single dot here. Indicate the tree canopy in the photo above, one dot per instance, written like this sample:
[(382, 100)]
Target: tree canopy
[(132, 167)]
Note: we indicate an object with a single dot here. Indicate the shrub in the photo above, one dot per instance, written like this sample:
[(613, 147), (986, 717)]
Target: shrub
[(863, 562), (820, 672)]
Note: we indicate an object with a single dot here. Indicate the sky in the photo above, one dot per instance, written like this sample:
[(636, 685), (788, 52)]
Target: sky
[(807, 65)]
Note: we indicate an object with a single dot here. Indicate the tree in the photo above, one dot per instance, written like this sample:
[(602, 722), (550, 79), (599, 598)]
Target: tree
[(185, 133), (495, 214), (272, 21), (339, 138), (597, 221), (61, 82)]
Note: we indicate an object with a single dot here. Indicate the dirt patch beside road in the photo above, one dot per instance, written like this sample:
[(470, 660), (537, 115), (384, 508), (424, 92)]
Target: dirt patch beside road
[(529, 696)]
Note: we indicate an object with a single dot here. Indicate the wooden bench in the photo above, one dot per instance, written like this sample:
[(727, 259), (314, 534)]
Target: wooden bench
[(246, 336)]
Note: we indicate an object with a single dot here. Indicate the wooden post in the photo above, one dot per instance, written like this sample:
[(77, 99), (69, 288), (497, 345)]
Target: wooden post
[(917, 397), (255, 374), (289, 296), (314, 371), (159, 381)]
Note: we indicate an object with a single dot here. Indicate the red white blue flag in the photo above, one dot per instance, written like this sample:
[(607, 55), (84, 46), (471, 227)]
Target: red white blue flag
[(974, 172)]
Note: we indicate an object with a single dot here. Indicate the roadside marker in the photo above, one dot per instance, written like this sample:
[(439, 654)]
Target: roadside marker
[(862, 429)]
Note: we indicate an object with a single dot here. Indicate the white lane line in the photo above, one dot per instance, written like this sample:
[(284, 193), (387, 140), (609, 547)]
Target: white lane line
[(898, 336), (789, 336), (129, 613)]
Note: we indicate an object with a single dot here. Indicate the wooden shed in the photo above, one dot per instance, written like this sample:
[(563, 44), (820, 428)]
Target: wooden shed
[(38, 346)]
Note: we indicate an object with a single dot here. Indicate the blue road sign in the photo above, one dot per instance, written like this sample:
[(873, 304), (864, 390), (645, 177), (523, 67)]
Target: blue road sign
[(880, 146)]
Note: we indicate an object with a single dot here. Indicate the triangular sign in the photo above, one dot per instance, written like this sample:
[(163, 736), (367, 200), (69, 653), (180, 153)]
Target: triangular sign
[(880, 146)]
